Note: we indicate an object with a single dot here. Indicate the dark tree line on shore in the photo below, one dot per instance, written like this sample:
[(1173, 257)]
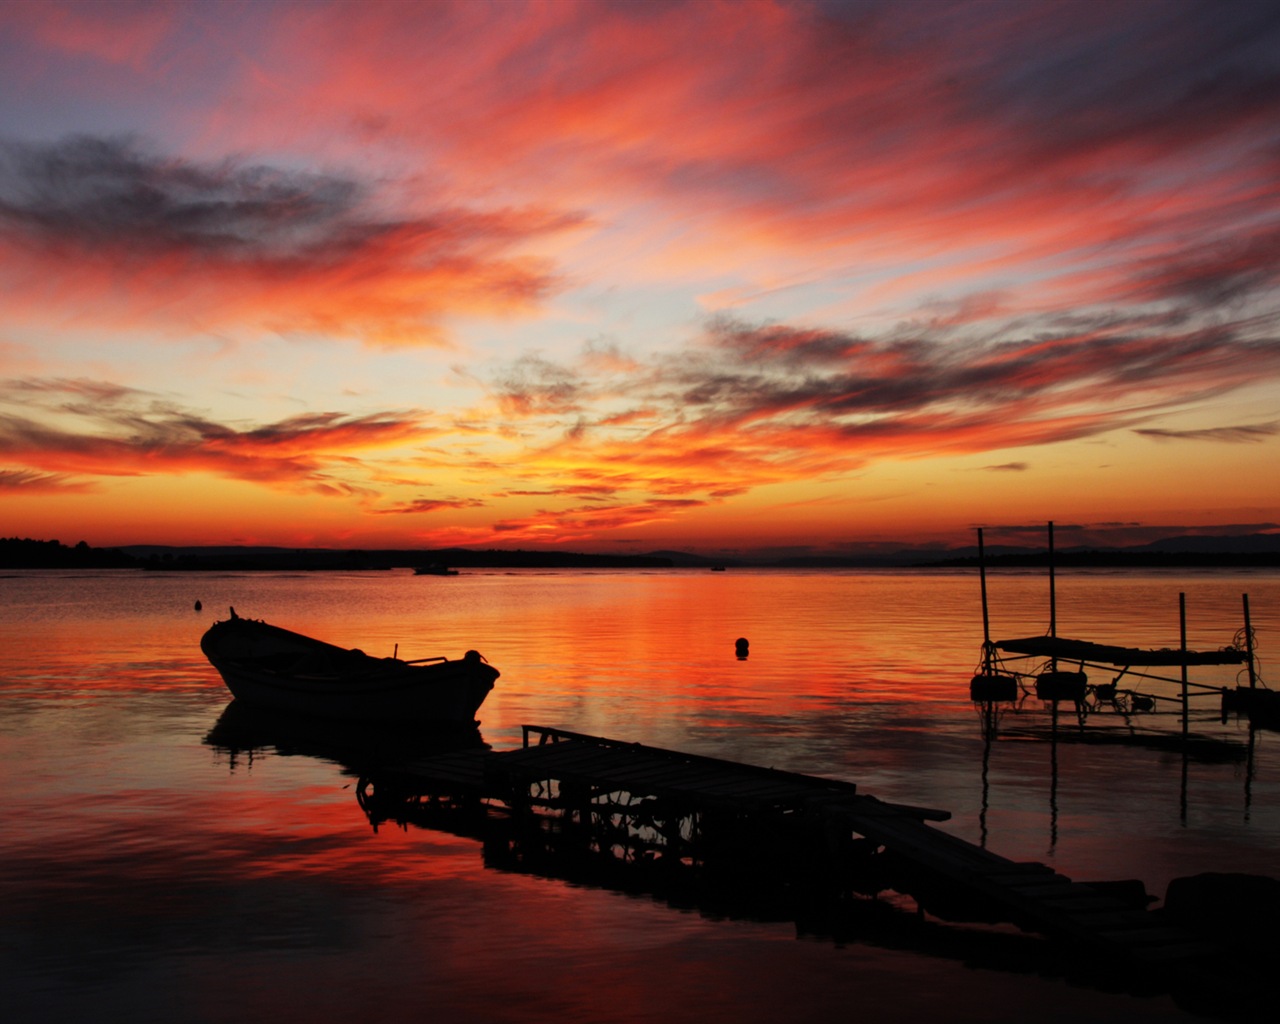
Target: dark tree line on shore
[(25, 553)]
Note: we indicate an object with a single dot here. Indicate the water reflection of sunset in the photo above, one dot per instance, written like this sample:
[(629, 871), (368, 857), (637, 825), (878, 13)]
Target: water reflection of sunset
[(150, 854)]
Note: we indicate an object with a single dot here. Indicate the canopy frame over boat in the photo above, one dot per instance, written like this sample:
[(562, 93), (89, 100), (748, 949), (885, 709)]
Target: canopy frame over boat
[(995, 682), (1088, 652)]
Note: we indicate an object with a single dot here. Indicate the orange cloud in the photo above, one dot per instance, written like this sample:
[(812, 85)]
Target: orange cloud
[(29, 481), (120, 432), (567, 526), (769, 404)]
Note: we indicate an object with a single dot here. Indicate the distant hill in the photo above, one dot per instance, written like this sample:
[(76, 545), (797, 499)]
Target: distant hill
[(689, 560), (268, 558), (1251, 551), (1255, 543), (1258, 550)]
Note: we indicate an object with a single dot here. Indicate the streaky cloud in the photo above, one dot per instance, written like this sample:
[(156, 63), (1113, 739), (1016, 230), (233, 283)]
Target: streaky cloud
[(533, 385), (109, 194), (128, 433), (295, 250), (30, 481), (421, 506), (566, 525), (1250, 434), (757, 403)]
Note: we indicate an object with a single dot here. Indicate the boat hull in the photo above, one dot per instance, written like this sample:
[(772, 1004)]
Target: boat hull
[(268, 667)]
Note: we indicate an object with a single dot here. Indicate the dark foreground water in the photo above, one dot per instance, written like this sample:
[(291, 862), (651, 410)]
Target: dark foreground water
[(152, 870)]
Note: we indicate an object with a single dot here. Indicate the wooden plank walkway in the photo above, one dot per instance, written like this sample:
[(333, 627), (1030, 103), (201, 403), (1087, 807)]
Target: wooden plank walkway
[(565, 770), (604, 766)]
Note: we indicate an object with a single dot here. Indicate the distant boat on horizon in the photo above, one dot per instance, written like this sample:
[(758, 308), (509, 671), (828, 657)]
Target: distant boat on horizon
[(435, 569)]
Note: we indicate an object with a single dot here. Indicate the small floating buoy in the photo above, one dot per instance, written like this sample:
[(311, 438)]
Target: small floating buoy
[(198, 605), (742, 647)]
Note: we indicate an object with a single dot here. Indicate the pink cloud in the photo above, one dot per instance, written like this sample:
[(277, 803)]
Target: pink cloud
[(117, 33)]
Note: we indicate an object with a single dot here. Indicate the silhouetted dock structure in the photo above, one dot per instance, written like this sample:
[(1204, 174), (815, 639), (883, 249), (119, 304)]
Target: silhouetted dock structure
[(567, 795), (998, 683)]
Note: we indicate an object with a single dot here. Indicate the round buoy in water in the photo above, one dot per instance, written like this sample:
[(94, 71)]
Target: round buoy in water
[(198, 606), (742, 647)]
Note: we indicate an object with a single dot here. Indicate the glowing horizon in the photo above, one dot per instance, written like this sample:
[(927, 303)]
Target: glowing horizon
[(623, 277)]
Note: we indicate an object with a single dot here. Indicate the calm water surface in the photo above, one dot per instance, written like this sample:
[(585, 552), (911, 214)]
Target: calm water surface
[(147, 873)]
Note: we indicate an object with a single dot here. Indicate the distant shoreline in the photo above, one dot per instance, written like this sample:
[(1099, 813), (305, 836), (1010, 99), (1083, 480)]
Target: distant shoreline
[(24, 553)]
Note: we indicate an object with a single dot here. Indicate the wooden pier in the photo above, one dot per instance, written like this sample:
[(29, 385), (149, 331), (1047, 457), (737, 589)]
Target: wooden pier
[(570, 795)]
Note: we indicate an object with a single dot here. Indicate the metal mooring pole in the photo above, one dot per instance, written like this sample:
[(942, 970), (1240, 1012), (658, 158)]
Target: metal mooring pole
[(982, 575), (1182, 618), (1053, 593), (1248, 644)]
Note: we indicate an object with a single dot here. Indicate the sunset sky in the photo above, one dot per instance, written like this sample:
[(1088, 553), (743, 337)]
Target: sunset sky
[(721, 277)]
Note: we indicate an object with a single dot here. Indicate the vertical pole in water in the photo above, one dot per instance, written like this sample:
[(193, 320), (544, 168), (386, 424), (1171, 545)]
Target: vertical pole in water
[(1248, 644), (1053, 607), (1182, 618), (986, 618), (1053, 667), (1182, 791), (1253, 685), (1053, 597)]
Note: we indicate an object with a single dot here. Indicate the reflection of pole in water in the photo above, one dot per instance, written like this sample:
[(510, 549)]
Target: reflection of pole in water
[(1182, 790), (1053, 782), (989, 716), (1182, 627), (1186, 710), (986, 791), (1248, 773), (1253, 685)]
